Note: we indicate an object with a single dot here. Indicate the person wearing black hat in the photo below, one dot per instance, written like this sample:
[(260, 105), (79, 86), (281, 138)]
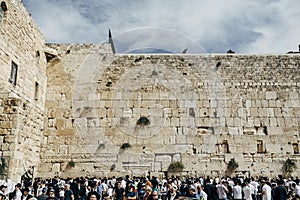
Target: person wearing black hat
[(2, 192), (26, 195), (2, 189), (93, 195), (16, 194)]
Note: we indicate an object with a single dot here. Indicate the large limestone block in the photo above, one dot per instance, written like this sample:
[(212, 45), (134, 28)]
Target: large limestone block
[(294, 95), (273, 148), (275, 130), (271, 95), (294, 103), (130, 158), (233, 130), (163, 158), (56, 167)]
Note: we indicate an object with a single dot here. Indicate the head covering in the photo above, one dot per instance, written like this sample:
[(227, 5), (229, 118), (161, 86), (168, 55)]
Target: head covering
[(44, 190), (3, 186)]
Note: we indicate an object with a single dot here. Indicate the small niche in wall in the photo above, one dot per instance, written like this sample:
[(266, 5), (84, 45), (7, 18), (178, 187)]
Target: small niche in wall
[(223, 147), (296, 148), (260, 146), (62, 96), (51, 122), (194, 151), (191, 112), (37, 57)]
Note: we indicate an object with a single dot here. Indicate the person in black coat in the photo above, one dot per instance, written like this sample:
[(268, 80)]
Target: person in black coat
[(280, 192), (26, 195), (81, 191)]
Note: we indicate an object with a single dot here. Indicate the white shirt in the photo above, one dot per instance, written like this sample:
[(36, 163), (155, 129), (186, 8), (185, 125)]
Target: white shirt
[(18, 195), (247, 192), (297, 190), (237, 192), (104, 187), (252, 189), (222, 191), (266, 189), (203, 195), (255, 185)]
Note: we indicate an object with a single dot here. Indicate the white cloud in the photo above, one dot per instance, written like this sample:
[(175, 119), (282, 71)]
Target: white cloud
[(256, 26)]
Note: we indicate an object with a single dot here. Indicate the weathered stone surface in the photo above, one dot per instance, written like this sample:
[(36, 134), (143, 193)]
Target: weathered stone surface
[(23, 102)]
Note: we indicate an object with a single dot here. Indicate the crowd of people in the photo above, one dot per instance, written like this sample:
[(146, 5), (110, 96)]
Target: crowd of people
[(151, 188)]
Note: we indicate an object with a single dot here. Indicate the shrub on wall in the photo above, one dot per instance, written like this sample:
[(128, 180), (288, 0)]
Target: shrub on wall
[(71, 164), (288, 167), (143, 121), (2, 167), (125, 146), (112, 167), (176, 166), (231, 166)]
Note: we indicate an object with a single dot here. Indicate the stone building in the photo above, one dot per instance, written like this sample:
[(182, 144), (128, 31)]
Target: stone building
[(79, 109)]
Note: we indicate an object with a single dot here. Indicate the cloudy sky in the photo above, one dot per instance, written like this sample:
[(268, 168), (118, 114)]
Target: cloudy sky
[(245, 26)]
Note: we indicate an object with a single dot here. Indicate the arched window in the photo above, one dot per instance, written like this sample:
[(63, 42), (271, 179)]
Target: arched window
[(3, 9)]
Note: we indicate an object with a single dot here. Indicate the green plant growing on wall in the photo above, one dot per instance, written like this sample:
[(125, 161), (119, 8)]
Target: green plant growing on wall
[(2, 167), (176, 166), (143, 121), (288, 167), (113, 167), (231, 166), (125, 146), (71, 163)]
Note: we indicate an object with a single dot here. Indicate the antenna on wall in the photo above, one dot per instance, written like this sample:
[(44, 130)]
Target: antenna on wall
[(111, 42)]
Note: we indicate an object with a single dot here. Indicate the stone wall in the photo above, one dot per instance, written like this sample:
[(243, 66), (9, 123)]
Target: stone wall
[(22, 100), (90, 112), (202, 110)]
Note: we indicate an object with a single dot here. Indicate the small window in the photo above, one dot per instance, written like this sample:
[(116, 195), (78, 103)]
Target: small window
[(13, 73), (36, 91)]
